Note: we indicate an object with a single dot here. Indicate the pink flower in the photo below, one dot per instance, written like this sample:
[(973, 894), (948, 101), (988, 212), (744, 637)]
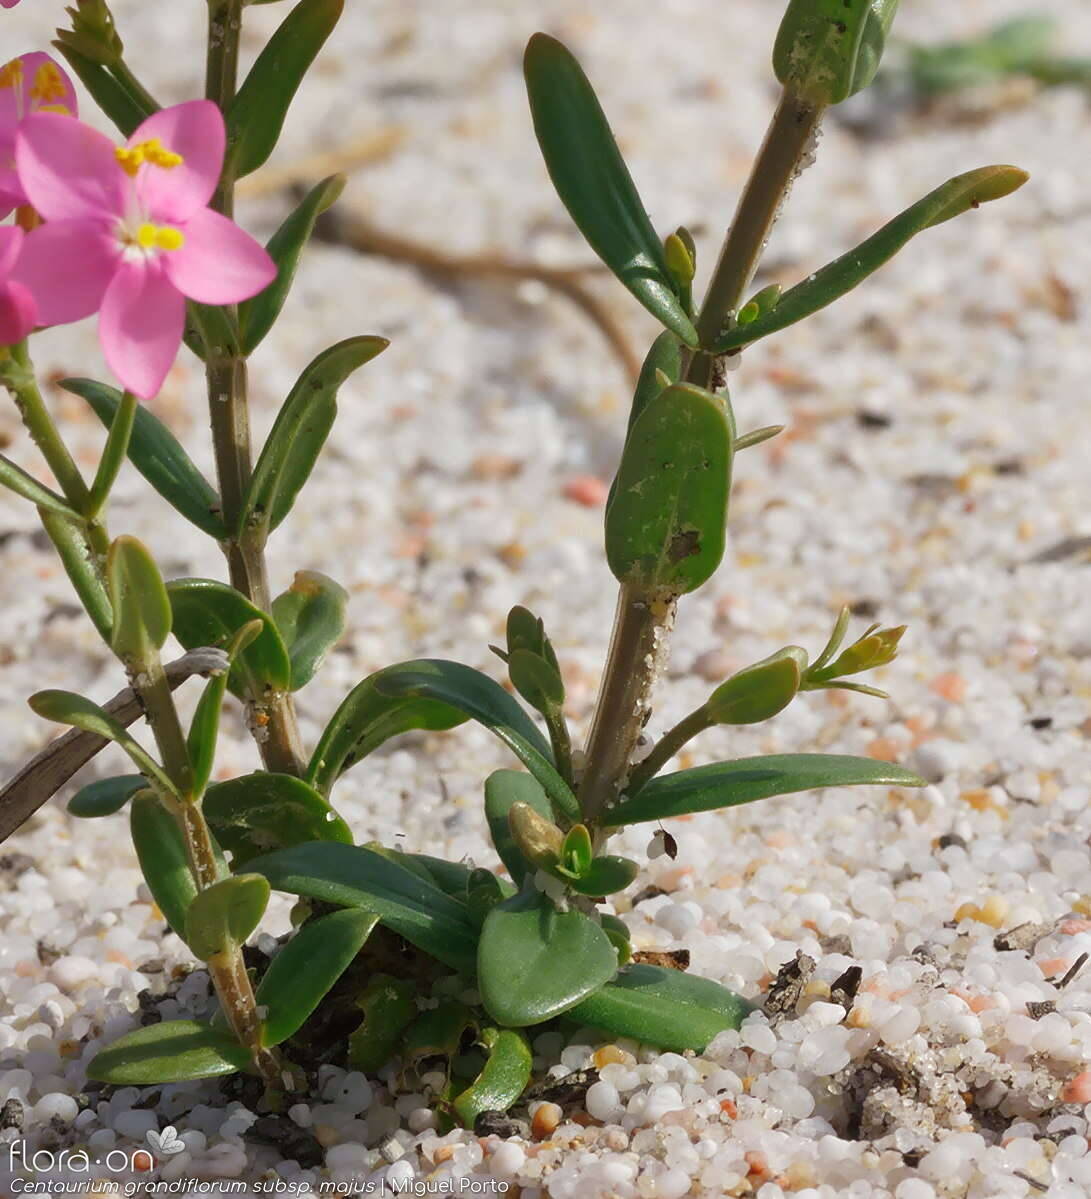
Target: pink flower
[(8, 3), (18, 314), (129, 233), (29, 83)]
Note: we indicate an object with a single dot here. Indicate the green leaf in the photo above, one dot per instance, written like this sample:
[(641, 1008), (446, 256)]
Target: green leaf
[(161, 852), (300, 432), (125, 109), (65, 707), (81, 564), (353, 876), (221, 917), (503, 789), (260, 812), (504, 1078), (483, 892), (158, 455), (452, 877), (605, 876), (258, 315), (365, 719), (539, 683), (839, 277), (666, 526), (594, 183), (205, 726), (173, 1051), (311, 617), (728, 784), (489, 704), (577, 853), (827, 50), (535, 962), (618, 932), (307, 967), (760, 691), (207, 612), (388, 1004), (438, 1031), (664, 358), (142, 615), (256, 115), (106, 796), (14, 478), (667, 1008)]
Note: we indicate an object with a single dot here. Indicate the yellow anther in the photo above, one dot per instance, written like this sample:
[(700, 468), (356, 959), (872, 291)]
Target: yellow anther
[(159, 237), (48, 85), (169, 238), (11, 73), (129, 159)]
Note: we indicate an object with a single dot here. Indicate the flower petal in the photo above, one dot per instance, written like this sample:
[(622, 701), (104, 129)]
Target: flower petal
[(140, 327), (11, 242), (67, 265), (195, 130), (18, 313), (219, 263), (68, 169), (45, 86)]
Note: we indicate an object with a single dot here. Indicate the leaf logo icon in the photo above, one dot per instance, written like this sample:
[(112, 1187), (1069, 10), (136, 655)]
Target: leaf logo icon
[(165, 1143)]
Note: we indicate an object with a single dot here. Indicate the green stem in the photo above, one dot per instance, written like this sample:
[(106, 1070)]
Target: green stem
[(637, 652), (113, 454), (667, 746), (642, 625), (273, 717), (562, 743), (149, 682), (17, 374)]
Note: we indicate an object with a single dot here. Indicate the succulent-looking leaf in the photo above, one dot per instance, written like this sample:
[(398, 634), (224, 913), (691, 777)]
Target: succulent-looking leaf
[(483, 892), (161, 852), (666, 525), (438, 1031), (618, 932), (261, 812), (300, 432), (256, 115), (839, 277), (728, 784), (489, 704), (827, 50), (142, 615), (106, 796), (365, 719), (667, 1008), (307, 967), (535, 962), (577, 853), (606, 875), (504, 1078), (760, 691), (81, 564), (172, 1051), (388, 1005), (222, 916), (311, 617), (504, 789), (65, 707), (205, 726), (356, 877), (158, 455), (539, 683), (258, 315), (207, 612), (594, 183)]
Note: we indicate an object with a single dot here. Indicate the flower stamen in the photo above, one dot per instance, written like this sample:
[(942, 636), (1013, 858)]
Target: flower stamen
[(132, 158)]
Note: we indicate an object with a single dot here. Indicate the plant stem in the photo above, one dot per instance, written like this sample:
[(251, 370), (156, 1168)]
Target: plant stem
[(273, 714), (149, 682), (668, 745), (637, 654), (790, 135), (23, 388), (642, 626)]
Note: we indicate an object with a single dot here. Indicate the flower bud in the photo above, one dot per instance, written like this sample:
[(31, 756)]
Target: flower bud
[(872, 650), (760, 691), (540, 841)]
